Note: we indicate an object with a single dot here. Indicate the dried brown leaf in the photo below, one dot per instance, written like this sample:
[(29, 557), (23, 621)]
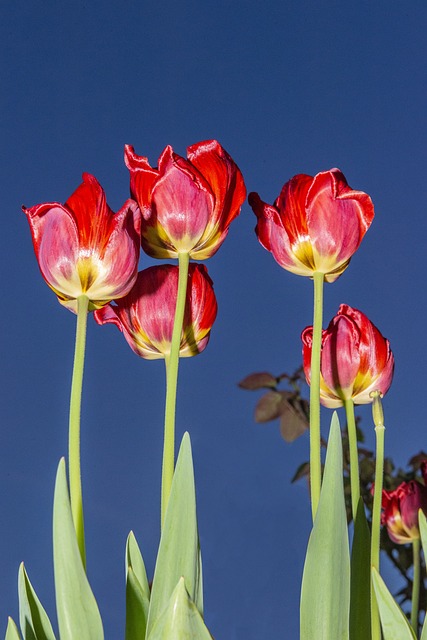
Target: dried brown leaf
[(262, 380)]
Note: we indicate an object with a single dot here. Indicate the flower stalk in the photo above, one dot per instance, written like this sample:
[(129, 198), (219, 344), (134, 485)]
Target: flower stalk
[(315, 460), (415, 585), (172, 362), (378, 417), (74, 425), (354, 455)]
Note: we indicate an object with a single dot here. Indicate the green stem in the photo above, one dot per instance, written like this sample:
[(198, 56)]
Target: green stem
[(354, 455), (315, 460), (415, 585), (74, 425), (376, 509), (172, 361)]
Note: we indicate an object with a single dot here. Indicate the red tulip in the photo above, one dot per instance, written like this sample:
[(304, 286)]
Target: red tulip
[(146, 314), (187, 204), (83, 248), (315, 225), (355, 359), (400, 509)]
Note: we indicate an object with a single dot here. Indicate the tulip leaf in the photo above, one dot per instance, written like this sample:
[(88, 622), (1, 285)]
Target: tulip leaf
[(34, 622), (181, 619), (137, 606), (78, 614), (422, 520), (179, 552), (394, 623), (423, 532), (137, 592), (134, 560), (325, 594), (360, 585), (12, 632)]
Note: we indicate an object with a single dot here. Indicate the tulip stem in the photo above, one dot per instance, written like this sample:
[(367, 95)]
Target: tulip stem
[(415, 585), (74, 425), (315, 458), (354, 455), (376, 510), (172, 362)]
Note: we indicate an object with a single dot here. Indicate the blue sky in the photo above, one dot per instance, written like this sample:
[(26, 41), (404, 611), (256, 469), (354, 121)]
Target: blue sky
[(286, 87)]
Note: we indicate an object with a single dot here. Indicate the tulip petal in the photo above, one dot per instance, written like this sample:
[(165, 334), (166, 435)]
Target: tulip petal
[(181, 201), (142, 179), (223, 176)]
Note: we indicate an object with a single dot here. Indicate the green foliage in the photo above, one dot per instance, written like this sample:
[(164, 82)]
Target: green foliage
[(325, 597), (179, 553), (394, 623), (173, 610), (137, 592), (360, 589), (34, 622), (181, 620), (423, 532), (12, 632), (78, 615)]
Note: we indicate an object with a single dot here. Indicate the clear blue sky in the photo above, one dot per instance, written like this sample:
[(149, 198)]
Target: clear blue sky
[(286, 87)]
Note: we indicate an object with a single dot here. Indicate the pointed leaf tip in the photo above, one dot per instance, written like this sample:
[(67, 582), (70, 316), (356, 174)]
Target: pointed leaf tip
[(325, 594), (179, 551), (12, 632), (394, 623), (78, 614), (33, 619)]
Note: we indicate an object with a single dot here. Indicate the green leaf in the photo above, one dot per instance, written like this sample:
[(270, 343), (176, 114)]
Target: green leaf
[(360, 585), (181, 620), (137, 592), (179, 552), (78, 615), (12, 632), (325, 595), (423, 532), (135, 561), (34, 622), (394, 623), (137, 605)]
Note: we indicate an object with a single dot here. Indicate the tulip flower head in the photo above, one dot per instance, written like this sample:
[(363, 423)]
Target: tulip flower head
[(187, 204), (355, 359), (315, 225), (401, 506), (83, 248), (146, 314)]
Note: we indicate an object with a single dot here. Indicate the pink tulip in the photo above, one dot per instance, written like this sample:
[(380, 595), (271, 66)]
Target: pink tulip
[(146, 314), (355, 359), (187, 204), (83, 248), (315, 225), (400, 509)]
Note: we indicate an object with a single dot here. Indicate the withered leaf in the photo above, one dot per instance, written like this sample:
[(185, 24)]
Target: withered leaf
[(261, 380)]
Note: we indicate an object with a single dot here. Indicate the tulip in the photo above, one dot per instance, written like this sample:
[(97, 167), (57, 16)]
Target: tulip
[(400, 510), (187, 204), (83, 248), (401, 506), (146, 314), (355, 359), (315, 225)]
